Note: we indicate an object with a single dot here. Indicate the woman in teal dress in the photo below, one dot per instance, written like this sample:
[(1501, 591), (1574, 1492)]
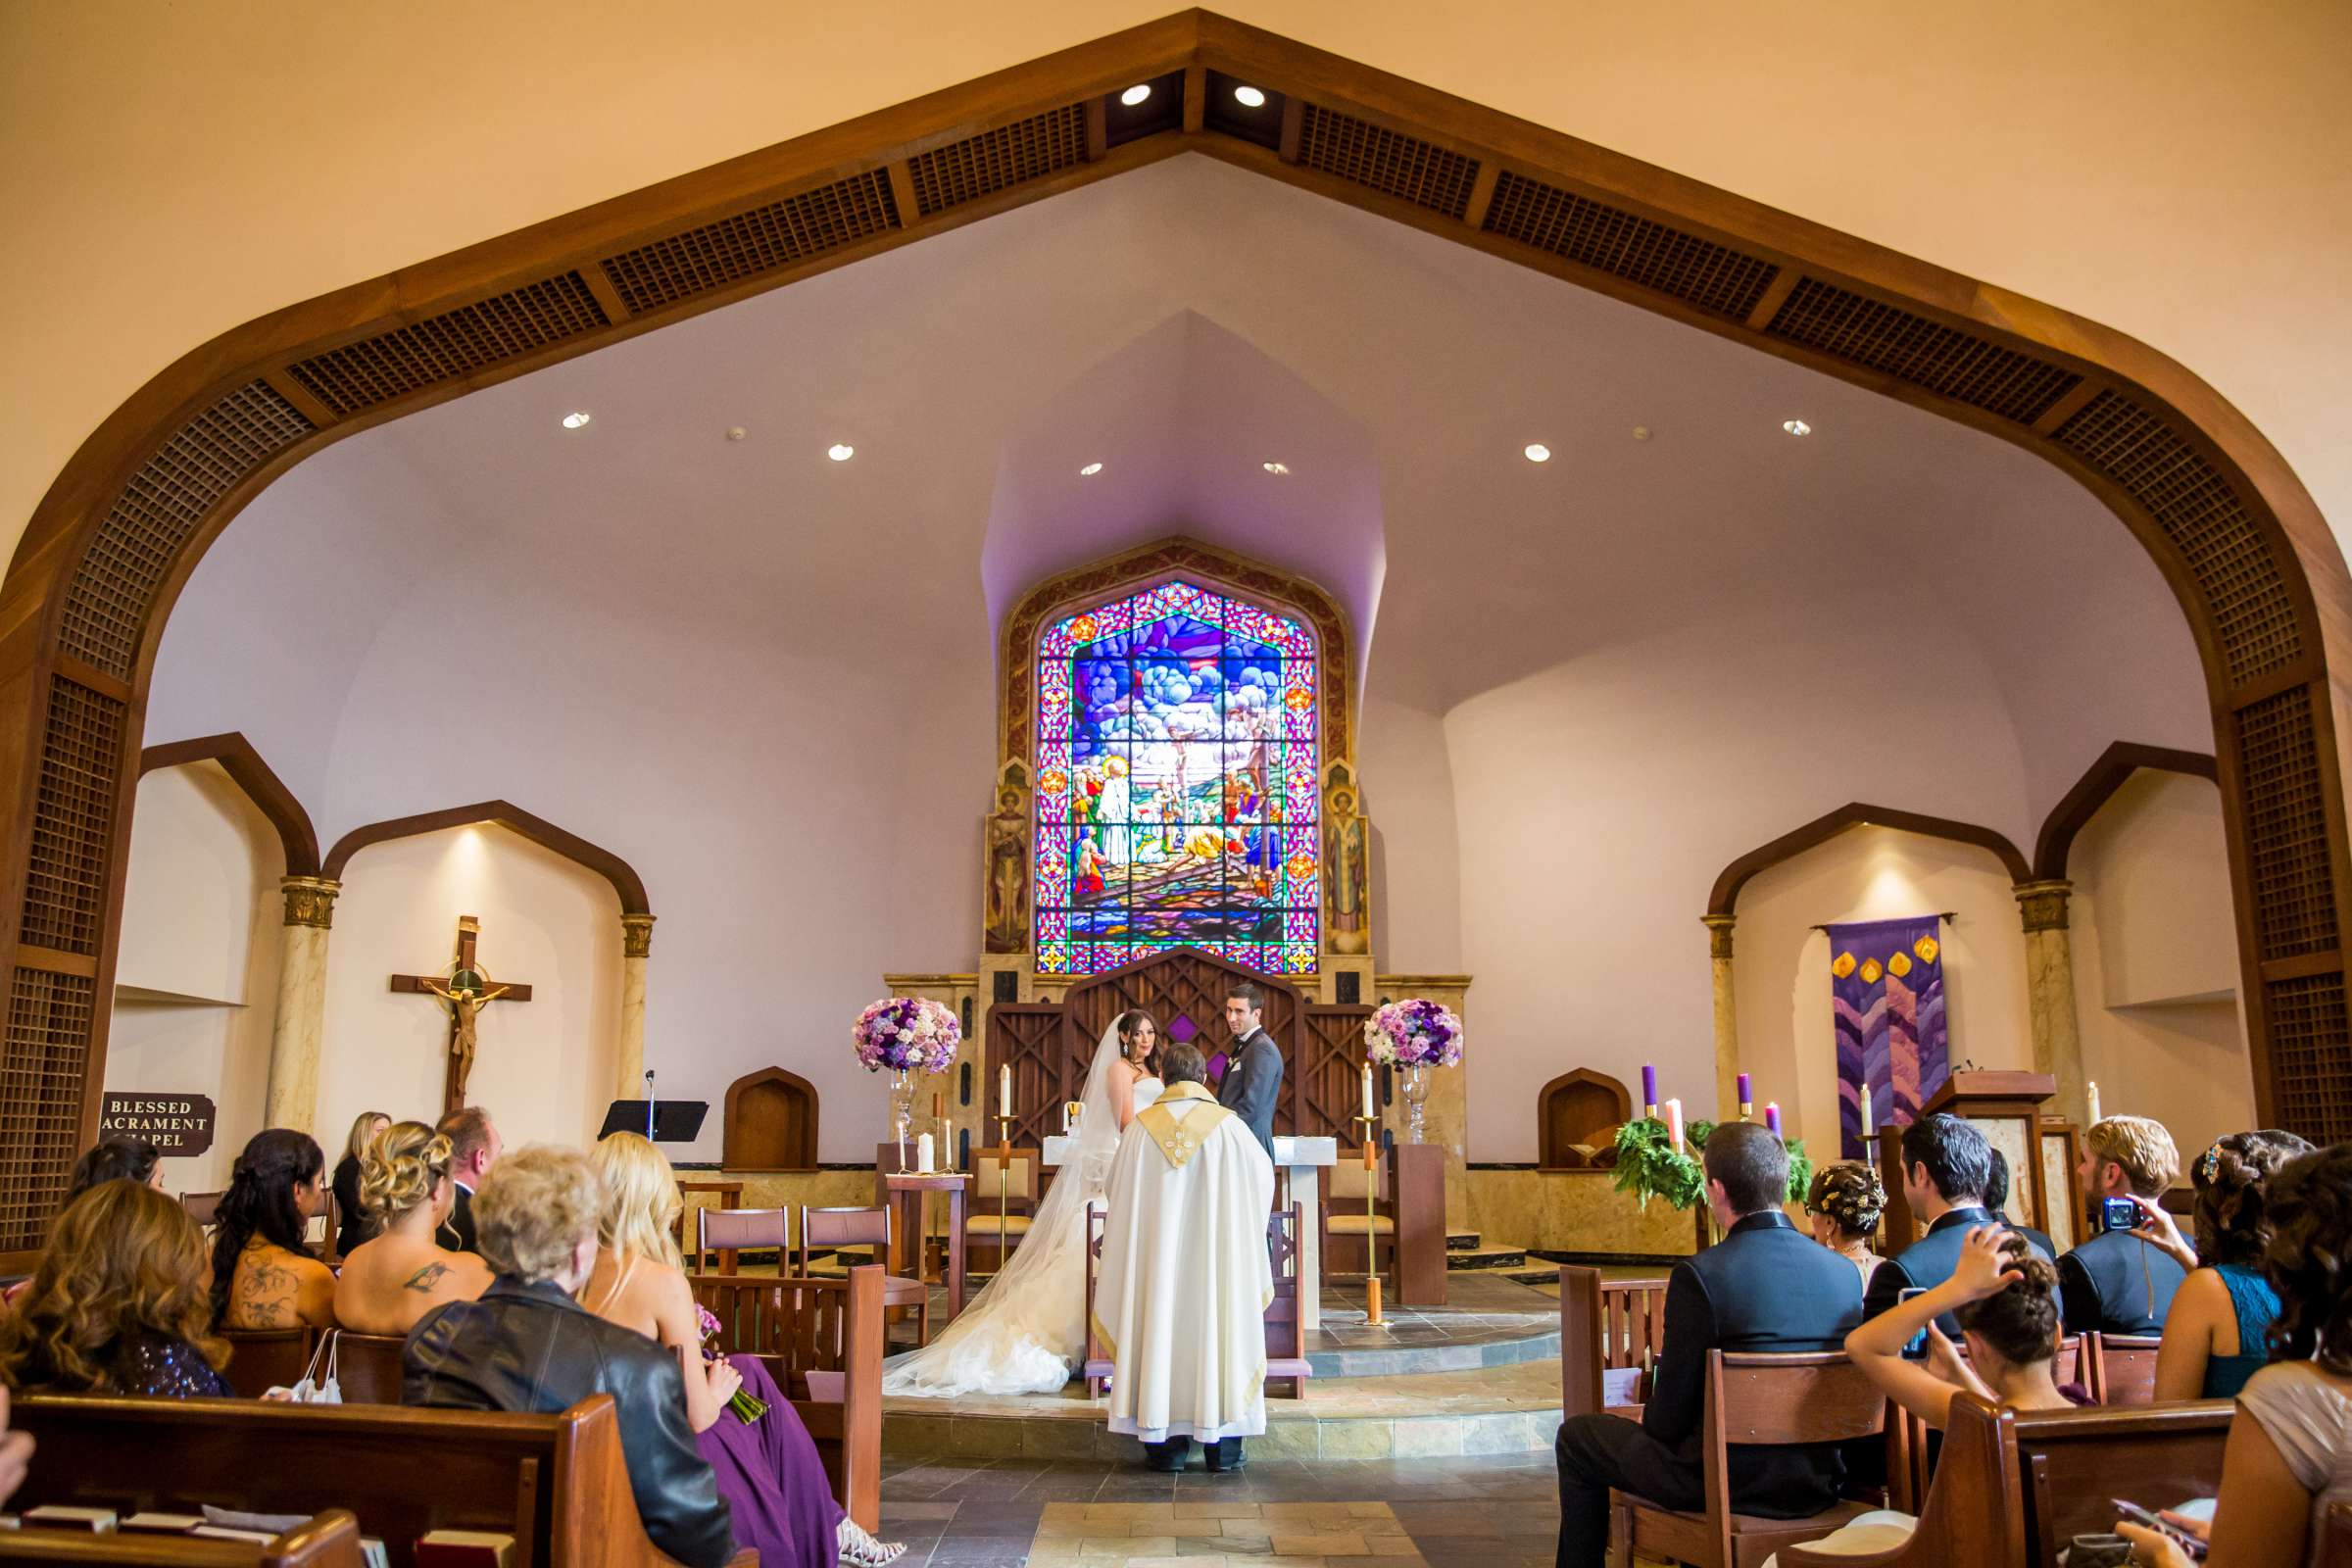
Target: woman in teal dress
[(2217, 1333)]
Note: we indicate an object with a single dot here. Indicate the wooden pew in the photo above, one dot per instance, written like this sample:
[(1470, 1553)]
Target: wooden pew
[(821, 1341), (2123, 1368), (262, 1359), (1610, 1333), (556, 1482), (330, 1540), (2011, 1488), (367, 1366)]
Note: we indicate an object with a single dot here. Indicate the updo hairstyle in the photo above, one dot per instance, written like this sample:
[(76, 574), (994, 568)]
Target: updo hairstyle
[(2233, 1219), (1852, 1196), (401, 1169), (2309, 1259), (2019, 1322)]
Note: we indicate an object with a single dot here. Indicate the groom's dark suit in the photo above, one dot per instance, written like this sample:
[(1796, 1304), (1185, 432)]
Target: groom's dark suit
[(1252, 1083)]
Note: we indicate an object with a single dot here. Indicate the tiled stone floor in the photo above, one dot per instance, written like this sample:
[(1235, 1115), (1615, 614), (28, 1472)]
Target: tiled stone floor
[(1500, 1511)]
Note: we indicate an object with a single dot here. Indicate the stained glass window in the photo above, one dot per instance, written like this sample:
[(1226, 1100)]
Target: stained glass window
[(1177, 786)]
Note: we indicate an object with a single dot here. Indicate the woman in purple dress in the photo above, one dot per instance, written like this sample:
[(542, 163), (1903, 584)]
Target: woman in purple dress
[(767, 1469)]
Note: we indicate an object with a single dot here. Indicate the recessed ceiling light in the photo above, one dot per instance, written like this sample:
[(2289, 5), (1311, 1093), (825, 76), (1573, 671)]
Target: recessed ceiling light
[(1538, 451), (736, 432), (1135, 94), (1641, 432), (1091, 469), (1275, 468), (576, 419), (1796, 427), (1249, 97), (841, 452)]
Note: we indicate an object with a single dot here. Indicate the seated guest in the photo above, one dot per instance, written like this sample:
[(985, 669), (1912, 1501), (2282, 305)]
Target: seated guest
[(390, 1282), (477, 1145), (356, 1226), (120, 1304), (116, 1160), (526, 1345), (1996, 1200), (2290, 1454), (1844, 1203), (2004, 1297), (769, 1473), (1946, 1167), (2216, 1334), (2116, 1283), (265, 1275), (1764, 1287)]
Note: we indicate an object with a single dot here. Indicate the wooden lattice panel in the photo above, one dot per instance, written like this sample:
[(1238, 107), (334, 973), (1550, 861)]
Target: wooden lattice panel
[(2286, 825), (2311, 1056), (1378, 159), (1327, 1064), (111, 590), (755, 242), (72, 819), (44, 1054), (450, 346), (2231, 558), (1027, 1036), (1926, 354), (998, 160), (1711, 277)]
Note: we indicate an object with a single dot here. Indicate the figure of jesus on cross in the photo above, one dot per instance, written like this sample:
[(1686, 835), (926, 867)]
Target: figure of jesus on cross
[(464, 991)]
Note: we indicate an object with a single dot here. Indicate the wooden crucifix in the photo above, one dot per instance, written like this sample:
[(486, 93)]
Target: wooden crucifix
[(464, 991)]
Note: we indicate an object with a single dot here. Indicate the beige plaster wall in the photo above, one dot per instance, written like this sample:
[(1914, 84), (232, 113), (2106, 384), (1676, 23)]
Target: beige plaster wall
[(2173, 170), (196, 988)]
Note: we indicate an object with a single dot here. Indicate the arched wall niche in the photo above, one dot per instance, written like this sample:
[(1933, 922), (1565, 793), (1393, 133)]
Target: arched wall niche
[(1572, 1108), (770, 1123), (2257, 572)]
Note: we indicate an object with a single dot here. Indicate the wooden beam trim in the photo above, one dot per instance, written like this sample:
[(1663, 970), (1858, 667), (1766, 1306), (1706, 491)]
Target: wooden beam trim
[(51, 962), (626, 883), (600, 284), (2054, 845), (2302, 966), (2067, 407), (98, 680), (902, 192), (1724, 898), (1294, 118), (2302, 672), (1196, 98), (1776, 294), (1098, 127), (295, 393), (1482, 192)]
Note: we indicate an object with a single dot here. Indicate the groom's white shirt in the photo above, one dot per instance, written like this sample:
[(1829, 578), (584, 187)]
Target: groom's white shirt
[(1182, 1290)]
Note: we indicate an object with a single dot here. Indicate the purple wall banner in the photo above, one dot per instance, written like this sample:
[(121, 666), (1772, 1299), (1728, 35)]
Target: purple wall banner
[(1887, 1004)]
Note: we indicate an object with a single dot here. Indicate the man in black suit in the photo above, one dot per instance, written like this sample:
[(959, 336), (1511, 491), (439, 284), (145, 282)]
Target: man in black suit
[(1946, 1167), (1253, 1080), (1766, 1286), (2115, 1282), (474, 1148)]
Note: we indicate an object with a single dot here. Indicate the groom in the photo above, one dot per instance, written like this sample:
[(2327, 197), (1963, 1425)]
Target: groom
[(1185, 1277), (1254, 1081)]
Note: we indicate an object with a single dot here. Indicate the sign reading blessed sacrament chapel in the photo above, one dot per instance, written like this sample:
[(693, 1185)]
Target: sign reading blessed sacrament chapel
[(178, 1125), (1177, 784)]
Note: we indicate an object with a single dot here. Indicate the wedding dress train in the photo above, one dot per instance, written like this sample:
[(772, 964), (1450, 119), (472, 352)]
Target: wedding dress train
[(1025, 1332)]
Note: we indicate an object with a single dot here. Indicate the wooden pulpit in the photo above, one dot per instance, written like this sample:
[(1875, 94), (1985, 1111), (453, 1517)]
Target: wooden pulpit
[(1417, 1176), (2006, 1106)]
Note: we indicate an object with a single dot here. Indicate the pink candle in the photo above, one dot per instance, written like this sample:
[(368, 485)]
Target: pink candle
[(1772, 1116), (1674, 1122)]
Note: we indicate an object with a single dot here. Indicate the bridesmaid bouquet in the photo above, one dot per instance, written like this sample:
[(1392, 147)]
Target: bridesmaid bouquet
[(745, 1406)]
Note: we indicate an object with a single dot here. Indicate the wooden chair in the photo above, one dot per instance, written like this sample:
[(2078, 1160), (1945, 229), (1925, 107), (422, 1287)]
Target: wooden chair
[(837, 1228), (1758, 1401), (730, 1232), (367, 1366), (329, 1540), (1610, 1333), (1346, 1183), (2075, 1362), (2123, 1368), (201, 1207), (821, 1341), (1286, 1345), (1020, 1196), (262, 1359)]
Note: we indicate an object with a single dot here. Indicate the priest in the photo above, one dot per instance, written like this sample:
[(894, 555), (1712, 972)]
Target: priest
[(1182, 1291)]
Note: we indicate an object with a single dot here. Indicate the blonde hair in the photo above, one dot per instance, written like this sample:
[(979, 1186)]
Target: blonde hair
[(361, 1137), (641, 1199), (534, 1207), (2140, 1147), (401, 1169)]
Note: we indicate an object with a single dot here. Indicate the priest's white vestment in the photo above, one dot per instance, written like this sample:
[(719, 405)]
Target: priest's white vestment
[(1182, 1291)]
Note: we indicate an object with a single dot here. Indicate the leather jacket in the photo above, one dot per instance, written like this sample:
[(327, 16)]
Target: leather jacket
[(532, 1348)]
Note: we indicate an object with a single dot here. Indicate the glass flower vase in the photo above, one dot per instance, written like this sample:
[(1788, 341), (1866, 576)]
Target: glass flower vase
[(901, 1111), (1413, 1085)]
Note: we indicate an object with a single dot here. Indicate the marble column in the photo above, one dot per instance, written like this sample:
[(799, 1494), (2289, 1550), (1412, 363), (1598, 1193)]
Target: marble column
[(296, 1033), (2050, 993), (1727, 1015), (636, 950)]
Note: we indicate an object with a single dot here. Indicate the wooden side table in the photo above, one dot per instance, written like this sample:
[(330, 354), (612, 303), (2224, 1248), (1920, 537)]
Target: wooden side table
[(904, 1193), (1418, 1172)]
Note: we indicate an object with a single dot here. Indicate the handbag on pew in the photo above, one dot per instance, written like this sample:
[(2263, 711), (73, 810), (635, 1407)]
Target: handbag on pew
[(313, 1388)]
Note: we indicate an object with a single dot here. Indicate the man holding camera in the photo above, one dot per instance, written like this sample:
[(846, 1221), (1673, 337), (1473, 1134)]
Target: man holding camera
[(2115, 1282)]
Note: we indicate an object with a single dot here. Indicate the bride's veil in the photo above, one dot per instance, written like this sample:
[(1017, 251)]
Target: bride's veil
[(1085, 1168)]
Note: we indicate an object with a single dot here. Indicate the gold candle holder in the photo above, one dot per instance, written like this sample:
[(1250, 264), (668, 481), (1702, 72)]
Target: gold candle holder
[(1004, 1188), (1371, 1126)]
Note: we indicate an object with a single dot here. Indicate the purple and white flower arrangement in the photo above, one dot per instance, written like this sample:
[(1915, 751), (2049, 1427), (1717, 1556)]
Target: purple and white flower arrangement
[(901, 1034), (1414, 1034)]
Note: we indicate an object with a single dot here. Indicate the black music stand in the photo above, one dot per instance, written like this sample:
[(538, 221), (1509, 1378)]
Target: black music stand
[(672, 1121)]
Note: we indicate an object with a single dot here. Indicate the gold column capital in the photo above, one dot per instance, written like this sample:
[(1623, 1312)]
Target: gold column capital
[(1719, 934), (310, 899), (636, 935), (2042, 905)]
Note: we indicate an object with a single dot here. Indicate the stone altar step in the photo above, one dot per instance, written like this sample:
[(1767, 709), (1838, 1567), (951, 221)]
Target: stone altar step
[(1461, 1241), (1474, 1258)]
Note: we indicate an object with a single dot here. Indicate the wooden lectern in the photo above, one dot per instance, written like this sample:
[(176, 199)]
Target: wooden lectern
[(2006, 1106)]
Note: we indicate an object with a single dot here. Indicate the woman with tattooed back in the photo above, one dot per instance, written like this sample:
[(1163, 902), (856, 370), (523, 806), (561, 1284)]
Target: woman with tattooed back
[(402, 1273), (265, 1275)]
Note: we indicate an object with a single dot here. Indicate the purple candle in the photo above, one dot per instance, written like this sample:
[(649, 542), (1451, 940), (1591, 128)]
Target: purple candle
[(1772, 1117), (1650, 1088), (1746, 1097)]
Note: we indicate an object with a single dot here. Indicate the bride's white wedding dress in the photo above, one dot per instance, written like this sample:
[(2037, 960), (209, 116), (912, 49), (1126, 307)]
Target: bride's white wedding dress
[(1025, 1333)]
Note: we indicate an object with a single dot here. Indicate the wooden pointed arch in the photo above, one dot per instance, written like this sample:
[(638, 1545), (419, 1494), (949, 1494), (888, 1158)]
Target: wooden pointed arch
[(1724, 898), (2096, 787), (260, 784), (628, 885), (2251, 561)]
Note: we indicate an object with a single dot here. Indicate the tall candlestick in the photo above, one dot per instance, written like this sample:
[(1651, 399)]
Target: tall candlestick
[(1772, 1117), (2091, 1092), (1368, 1111), (1674, 1122), (1649, 1091), (1748, 1097), (939, 1105), (1004, 1090), (1866, 1127)]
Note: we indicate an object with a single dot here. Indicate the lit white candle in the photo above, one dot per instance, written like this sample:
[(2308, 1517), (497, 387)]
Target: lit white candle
[(2092, 1091), (1005, 1089), (1674, 1122), (1368, 1089), (1866, 1127), (922, 1154)]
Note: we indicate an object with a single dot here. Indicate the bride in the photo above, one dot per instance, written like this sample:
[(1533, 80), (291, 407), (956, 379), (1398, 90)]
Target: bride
[(1027, 1329)]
